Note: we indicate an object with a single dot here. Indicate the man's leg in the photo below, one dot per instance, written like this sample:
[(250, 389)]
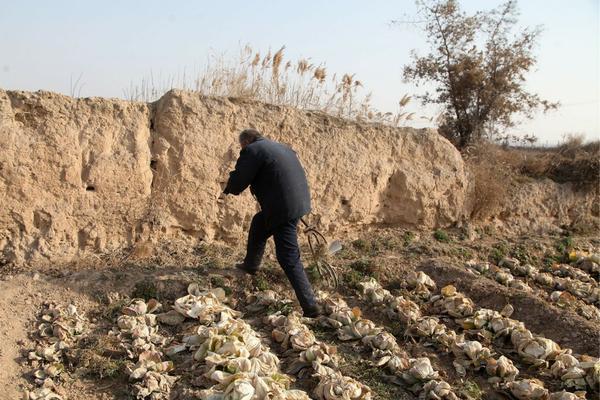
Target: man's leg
[(257, 240), (288, 255)]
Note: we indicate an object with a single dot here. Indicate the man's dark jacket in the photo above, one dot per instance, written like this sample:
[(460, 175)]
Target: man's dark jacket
[(276, 178)]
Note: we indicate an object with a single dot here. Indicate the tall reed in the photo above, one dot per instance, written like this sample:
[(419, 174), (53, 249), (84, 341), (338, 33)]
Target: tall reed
[(273, 79)]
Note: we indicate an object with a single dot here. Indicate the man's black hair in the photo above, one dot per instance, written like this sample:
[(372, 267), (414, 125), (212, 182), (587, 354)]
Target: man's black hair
[(249, 135)]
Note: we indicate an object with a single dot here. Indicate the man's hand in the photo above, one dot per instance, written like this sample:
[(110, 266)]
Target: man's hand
[(222, 197)]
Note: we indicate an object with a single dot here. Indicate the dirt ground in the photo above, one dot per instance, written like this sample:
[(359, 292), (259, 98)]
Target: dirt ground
[(387, 254), (21, 297)]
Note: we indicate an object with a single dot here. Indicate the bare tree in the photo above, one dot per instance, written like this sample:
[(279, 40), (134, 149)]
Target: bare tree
[(478, 66)]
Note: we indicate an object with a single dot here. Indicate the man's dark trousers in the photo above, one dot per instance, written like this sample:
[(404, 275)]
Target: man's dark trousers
[(288, 255)]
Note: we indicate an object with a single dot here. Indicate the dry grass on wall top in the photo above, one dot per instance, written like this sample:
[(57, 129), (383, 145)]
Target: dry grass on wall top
[(572, 161), (272, 79), (495, 169)]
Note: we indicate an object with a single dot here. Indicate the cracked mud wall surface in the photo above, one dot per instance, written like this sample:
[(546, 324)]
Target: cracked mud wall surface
[(87, 176), (358, 173), (74, 175), (542, 206)]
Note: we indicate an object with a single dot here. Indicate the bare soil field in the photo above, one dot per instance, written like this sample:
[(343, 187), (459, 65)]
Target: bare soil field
[(442, 334)]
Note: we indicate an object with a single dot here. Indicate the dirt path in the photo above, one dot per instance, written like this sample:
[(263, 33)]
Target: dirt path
[(17, 311), (21, 298)]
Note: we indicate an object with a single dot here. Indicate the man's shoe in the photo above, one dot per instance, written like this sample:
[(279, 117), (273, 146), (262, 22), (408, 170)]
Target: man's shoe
[(242, 267), (313, 312)]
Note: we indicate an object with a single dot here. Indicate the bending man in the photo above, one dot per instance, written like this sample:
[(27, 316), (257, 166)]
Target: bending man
[(277, 180)]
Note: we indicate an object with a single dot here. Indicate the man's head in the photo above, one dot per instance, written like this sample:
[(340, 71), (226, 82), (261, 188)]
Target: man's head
[(249, 136)]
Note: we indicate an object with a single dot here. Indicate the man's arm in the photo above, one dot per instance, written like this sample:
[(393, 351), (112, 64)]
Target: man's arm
[(246, 168)]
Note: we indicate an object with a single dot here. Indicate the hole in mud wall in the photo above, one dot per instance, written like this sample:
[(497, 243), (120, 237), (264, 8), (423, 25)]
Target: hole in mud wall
[(90, 188), (153, 165), (345, 202)]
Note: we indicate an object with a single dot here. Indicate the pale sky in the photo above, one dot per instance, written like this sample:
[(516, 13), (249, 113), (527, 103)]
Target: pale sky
[(110, 44)]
